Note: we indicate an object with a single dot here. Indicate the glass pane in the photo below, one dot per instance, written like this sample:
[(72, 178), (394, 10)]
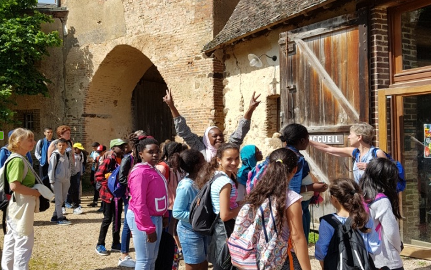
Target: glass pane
[(416, 41), (417, 163)]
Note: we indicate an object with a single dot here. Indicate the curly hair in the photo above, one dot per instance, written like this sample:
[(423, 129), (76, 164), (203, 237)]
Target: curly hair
[(381, 176), (275, 182), (61, 130), (209, 168), (349, 195)]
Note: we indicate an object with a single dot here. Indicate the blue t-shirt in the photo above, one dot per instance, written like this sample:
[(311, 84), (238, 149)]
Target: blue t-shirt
[(186, 193), (217, 186)]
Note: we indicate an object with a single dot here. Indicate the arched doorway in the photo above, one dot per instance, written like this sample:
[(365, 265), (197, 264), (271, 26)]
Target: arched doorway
[(149, 112)]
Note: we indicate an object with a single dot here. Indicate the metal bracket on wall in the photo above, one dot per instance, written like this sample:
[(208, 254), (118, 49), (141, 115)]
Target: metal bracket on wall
[(291, 88), (291, 48)]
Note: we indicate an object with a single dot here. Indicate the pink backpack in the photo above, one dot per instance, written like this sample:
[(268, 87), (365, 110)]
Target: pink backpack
[(255, 243)]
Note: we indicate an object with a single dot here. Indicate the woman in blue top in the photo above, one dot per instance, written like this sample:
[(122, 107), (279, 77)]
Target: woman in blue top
[(250, 155), (361, 138), (194, 244)]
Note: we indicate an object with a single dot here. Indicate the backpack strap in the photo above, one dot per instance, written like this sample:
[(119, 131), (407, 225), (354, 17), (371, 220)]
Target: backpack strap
[(332, 220), (355, 154), (379, 196)]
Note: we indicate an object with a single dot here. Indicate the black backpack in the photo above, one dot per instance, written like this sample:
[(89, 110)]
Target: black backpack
[(347, 248), (202, 216)]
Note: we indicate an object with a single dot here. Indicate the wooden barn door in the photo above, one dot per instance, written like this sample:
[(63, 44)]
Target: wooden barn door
[(324, 85)]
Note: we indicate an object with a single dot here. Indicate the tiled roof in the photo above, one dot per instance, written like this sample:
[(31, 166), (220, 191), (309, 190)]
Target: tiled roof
[(251, 16)]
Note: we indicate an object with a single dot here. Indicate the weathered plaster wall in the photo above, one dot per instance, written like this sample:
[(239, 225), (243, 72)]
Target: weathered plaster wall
[(242, 80)]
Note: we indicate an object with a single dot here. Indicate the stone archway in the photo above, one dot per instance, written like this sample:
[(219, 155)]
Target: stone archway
[(149, 112), (108, 112)]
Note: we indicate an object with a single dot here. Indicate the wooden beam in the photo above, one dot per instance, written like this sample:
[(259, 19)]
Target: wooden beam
[(320, 129), (327, 80)]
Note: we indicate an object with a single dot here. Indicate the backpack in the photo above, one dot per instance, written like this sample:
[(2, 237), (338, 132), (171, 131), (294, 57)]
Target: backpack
[(378, 227), (401, 184), (115, 187), (347, 248), (255, 243), (5, 192), (255, 174), (202, 216)]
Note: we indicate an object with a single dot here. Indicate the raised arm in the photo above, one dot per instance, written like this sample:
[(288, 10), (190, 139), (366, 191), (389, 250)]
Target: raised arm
[(244, 124), (181, 127), (335, 151)]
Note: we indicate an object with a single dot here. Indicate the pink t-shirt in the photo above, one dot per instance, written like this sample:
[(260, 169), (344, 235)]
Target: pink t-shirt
[(291, 198)]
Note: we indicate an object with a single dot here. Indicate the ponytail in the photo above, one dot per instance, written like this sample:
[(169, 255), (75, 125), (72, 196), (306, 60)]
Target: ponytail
[(349, 195)]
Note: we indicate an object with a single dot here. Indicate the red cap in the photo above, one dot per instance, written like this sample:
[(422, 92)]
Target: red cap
[(101, 148)]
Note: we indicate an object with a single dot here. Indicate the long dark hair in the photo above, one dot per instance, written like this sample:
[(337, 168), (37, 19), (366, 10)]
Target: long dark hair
[(349, 195), (171, 151), (381, 176), (275, 182), (293, 133), (209, 168)]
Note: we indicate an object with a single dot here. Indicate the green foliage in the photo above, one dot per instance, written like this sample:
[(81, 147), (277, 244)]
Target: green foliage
[(313, 237), (22, 45)]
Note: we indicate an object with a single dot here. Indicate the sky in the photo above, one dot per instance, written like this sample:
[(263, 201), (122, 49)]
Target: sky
[(46, 1)]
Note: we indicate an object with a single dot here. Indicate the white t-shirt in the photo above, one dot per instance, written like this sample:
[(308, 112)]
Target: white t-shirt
[(291, 198)]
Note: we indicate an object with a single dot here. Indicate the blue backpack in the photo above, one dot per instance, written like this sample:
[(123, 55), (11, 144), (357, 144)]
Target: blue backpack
[(401, 184), (115, 187)]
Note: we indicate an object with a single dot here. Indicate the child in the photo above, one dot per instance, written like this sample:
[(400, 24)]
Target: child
[(59, 177), (379, 185), (41, 153), (75, 180), (250, 155), (194, 244), (147, 213), (295, 137), (93, 156), (346, 197), (223, 196), (110, 213), (275, 183)]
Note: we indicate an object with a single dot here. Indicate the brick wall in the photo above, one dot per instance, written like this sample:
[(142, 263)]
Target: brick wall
[(379, 60)]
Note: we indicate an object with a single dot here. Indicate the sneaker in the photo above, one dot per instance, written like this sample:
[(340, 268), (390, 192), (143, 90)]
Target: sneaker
[(93, 204), (64, 221), (126, 262), (67, 205), (101, 250), (100, 209), (54, 219), (116, 248), (77, 210), (63, 210)]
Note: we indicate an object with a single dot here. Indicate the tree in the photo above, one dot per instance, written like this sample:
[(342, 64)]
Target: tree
[(22, 45)]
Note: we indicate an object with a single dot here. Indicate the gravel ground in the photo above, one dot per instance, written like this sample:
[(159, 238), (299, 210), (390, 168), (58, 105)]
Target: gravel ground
[(73, 247)]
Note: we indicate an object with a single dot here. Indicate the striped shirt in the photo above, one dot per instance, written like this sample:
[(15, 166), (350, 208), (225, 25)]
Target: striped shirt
[(217, 186)]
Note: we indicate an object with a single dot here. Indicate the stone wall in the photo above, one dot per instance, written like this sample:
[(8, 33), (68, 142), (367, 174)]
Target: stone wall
[(109, 46)]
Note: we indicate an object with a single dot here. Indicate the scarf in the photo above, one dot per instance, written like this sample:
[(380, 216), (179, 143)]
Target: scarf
[(210, 150), (248, 158)]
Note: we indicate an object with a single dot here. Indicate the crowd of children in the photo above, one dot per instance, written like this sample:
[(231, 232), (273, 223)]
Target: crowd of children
[(156, 192)]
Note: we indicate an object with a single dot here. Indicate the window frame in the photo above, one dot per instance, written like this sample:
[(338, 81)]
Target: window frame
[(398, 75)]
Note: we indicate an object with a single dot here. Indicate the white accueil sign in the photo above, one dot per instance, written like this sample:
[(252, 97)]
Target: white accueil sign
[(328, 139)]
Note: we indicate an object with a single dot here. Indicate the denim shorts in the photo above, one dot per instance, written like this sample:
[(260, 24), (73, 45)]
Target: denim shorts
[(194, 245)]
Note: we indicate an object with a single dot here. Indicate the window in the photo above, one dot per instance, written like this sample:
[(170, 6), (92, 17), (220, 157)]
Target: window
[(28, 121), (411, 41)]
